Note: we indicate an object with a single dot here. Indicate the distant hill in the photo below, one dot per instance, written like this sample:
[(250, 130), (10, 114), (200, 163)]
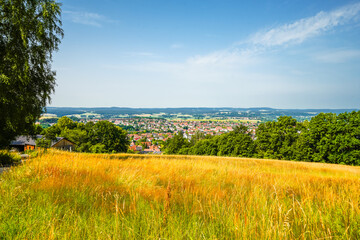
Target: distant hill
[(263, 113)]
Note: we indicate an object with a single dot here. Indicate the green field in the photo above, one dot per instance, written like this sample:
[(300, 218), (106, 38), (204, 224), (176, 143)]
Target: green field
[(61, 195)]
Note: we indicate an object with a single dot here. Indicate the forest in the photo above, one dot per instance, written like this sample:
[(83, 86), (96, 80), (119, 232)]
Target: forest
[(327, 138)]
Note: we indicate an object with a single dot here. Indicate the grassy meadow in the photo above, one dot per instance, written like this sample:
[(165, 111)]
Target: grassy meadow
[(60, 195)]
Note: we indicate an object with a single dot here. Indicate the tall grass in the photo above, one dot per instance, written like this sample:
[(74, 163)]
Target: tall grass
[(61, 195)]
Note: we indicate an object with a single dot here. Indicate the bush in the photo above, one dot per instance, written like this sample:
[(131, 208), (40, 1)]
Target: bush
[(7, 158)]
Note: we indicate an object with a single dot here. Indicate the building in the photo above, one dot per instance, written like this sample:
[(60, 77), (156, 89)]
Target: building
[(63, 144), (135, 148), (23, 143)]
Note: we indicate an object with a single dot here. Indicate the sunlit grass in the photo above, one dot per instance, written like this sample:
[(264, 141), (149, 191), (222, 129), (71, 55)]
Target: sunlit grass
[(88, 196)]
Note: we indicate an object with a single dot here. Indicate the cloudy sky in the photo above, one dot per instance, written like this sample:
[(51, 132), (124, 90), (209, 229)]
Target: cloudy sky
[(209, 53)]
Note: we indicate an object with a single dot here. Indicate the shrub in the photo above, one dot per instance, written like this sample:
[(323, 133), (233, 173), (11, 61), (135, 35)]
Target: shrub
[(7, 158)]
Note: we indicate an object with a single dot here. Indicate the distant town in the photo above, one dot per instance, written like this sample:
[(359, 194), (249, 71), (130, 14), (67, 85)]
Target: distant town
[(148, 129), (148, 134)]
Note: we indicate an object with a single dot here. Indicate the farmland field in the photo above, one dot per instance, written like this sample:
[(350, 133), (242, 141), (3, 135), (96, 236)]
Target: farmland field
[(60, 195)]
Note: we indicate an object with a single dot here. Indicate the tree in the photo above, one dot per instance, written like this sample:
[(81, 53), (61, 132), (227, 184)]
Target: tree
[(52, 132), (277, 139), (38, 129), (107, 137), (66, 123), (331, 138), (236, 143), (197, 137), (175, 144), (205, 147), (30, 31), (43, 143), (320, 136)]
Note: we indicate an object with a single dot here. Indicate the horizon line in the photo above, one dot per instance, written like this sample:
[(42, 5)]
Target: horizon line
[(214, 108)]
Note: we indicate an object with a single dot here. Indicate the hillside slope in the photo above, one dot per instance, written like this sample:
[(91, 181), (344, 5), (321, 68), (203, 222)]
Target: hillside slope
[(87, 196)]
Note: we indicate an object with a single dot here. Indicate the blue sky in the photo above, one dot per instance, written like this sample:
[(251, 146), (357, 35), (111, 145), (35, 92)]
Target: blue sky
[(213, 53)]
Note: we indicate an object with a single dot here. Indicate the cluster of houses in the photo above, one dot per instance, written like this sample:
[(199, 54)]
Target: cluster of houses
[(189, 127), (147, 149), (147, 142)]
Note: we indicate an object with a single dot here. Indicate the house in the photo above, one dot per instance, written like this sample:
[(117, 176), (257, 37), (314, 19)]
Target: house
[(23, 143), (155, 149), (63, 144), (134, 147), (152, 149)]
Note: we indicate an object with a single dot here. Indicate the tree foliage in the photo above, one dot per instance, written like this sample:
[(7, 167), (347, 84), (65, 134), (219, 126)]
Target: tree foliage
[(332, 138), (30, 31), (176, 143), (277, 139), (111, 137)]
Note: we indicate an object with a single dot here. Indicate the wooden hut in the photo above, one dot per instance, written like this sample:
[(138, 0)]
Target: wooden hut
[(63, 144), (23, 143)]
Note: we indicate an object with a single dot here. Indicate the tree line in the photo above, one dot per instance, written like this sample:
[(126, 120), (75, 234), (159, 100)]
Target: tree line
[(327, 137)]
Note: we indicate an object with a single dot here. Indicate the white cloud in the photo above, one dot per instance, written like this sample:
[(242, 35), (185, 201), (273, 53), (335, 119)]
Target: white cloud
[(218, 57), (247, 52), (305, 28), (227, 57), (86, 18), (338, 56)]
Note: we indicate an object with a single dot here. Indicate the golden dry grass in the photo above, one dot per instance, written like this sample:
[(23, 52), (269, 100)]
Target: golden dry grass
[(122, 196)]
